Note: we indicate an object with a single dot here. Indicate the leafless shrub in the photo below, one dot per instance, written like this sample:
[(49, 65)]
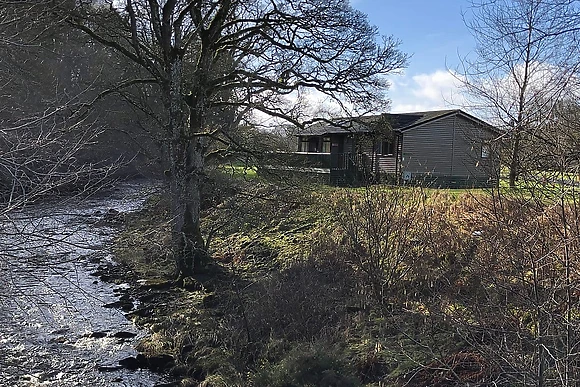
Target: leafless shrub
[(522, 310), (378, 226), (405, 243), (303, 302)]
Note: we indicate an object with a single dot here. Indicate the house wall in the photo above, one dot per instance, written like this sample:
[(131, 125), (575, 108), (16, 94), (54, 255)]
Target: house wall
[(388, 164), (469, 139), (376, 162), (447, 152)]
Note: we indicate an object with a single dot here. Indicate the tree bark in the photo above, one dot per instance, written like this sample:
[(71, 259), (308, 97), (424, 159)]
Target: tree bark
[(188, 244), (187, 165), (514, 162)]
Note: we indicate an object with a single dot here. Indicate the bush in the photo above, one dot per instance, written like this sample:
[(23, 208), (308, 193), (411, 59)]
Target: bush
[(308, 365), (403, 243), (301, 302)]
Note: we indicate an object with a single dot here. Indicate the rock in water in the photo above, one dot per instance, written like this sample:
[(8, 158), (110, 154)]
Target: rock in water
[(124, 335)]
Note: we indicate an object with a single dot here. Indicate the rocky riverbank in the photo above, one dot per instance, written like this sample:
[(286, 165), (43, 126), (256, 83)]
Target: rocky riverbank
[(138, 301), (162, 306)]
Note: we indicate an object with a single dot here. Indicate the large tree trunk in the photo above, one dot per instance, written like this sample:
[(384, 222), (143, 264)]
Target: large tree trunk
[(186, 173), (185, 185)]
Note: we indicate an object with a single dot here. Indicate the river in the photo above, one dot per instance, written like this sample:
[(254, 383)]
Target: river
[(54, 328)]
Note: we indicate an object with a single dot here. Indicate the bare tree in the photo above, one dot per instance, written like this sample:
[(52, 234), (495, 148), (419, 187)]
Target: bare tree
[(558, 151), (379, 227), (525, 61), (218, 61), (42, 134)]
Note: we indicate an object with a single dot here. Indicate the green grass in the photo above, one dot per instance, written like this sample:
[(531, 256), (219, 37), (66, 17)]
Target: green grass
[(236, 170), (543, 186), (547, 184)]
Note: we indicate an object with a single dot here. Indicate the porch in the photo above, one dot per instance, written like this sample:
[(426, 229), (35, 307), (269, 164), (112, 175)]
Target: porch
[(342, 169)]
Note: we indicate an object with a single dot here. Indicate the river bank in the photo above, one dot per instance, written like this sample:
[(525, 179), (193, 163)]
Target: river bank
[(284, 301), (263, 313)]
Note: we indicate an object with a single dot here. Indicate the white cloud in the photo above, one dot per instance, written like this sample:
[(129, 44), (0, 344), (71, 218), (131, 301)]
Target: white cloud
[(434, 86), (545, 82), (437, 90)]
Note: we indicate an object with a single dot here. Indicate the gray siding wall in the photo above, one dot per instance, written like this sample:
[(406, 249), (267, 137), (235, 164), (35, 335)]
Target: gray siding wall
[(380, 163), (450, 146), (427, 148), (387, 164), (469, 139)]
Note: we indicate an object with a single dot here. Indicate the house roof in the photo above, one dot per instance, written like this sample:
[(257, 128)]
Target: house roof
[(399, 122), (340, 126)]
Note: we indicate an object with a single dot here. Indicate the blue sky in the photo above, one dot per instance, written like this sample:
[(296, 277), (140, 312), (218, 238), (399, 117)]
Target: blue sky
[(434, 33)]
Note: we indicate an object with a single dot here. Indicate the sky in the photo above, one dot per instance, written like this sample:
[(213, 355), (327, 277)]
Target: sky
[(433, 32)]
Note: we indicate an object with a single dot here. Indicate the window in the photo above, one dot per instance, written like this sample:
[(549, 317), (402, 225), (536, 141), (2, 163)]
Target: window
[(386, 148), (325, 144), (303, 146), (485, 151), (314, 144)]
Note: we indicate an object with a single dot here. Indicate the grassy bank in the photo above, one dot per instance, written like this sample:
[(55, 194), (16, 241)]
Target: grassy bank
[(351, 287)]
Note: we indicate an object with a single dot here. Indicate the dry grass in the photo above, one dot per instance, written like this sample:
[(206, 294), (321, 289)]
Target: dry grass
[(290, 269)]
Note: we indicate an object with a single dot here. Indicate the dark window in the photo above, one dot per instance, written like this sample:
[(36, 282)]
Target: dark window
[(314, 145), (386, 148), (303, 146)]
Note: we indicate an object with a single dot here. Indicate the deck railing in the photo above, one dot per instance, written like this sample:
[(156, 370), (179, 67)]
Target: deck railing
[(301, 160), (334, 161), (344, 161), (343, 168)]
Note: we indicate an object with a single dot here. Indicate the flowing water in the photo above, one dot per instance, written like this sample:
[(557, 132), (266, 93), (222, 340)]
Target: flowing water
[(54, 328)]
